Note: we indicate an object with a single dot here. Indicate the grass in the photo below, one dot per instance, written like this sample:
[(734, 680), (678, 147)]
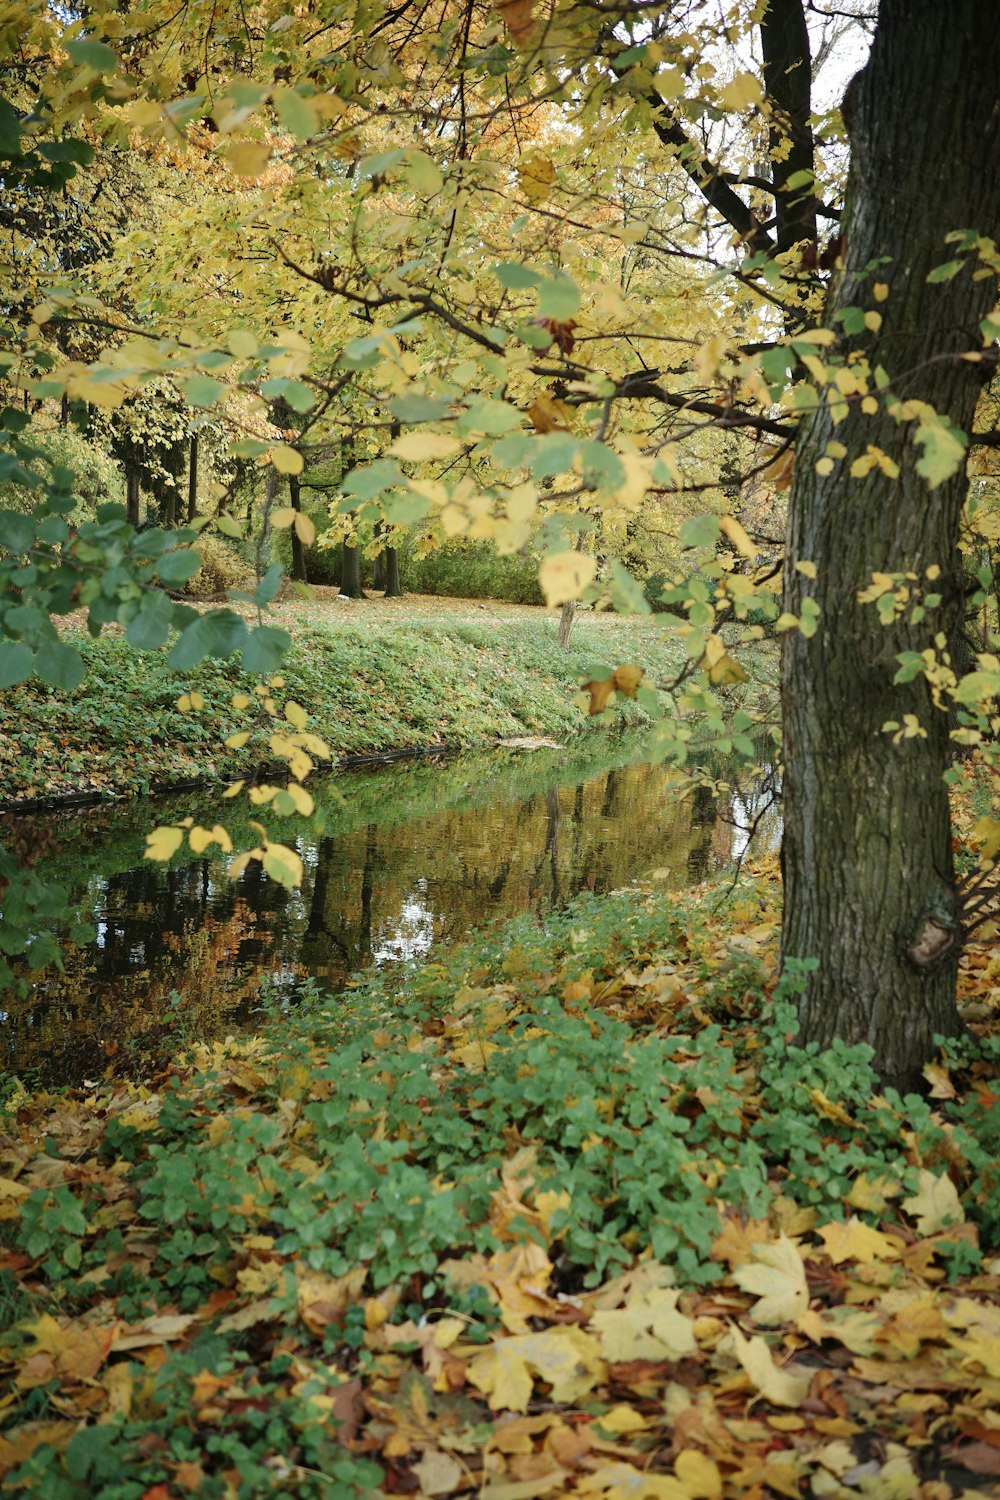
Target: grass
[(373, 677)]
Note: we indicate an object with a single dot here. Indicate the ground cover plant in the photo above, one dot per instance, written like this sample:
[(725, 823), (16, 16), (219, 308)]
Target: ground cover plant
[(409, 676), (568, 1213)]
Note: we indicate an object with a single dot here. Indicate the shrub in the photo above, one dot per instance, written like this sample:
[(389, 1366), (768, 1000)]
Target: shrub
[(221, 568), (472, 570)]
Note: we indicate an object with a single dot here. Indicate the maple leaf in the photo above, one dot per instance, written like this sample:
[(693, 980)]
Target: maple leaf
[(935, 1205), (778, 1279), (567, 1359), (780, 1387), (647, 1327), (854, 1240)]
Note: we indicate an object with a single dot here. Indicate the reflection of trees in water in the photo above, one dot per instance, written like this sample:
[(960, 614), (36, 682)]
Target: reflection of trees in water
[(386, 892)]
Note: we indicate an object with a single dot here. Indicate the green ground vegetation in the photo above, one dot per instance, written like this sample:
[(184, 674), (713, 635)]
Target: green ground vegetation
[(405, 678), (389, 1245)]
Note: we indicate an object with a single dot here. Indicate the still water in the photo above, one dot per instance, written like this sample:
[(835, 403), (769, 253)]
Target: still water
[(396, 860)]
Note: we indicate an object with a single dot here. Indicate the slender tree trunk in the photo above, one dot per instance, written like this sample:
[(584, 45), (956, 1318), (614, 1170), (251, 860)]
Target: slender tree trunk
[(350, 572), (132, 491), (298, 551), (192, 496), (566, 617), (393, 587), (869, 882)]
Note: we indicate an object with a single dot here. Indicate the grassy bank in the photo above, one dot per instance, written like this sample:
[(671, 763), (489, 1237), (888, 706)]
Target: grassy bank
[(568, 1214), (386, 678)]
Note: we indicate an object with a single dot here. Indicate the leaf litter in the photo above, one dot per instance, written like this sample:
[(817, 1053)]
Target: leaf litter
[(570, 1216)]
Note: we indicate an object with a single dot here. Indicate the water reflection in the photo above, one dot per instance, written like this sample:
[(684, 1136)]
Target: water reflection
[(416, 855)]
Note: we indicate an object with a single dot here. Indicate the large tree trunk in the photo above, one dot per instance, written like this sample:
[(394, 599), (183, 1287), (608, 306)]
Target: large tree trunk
[(869, 882), (393, 587), (350, 572)]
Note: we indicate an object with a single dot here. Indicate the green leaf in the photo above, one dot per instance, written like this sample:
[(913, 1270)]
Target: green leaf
[(297, 114), (946, 272), (228, 525), (59, 664), (264, 648), (943, 451), (269, 585), (515, 277), (201, 390), (149, 628), (17, 532), (699, 531), (488, 417), (96, 55), (559, 298), (298, 395), (16, 662), (177, 567), (218, 634), (423, 173), (367, 482)]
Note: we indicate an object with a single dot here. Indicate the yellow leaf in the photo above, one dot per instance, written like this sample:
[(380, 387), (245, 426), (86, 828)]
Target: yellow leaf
[(287, 461), (699, 1475), (550, 415), (188, 701), (737, 535), (854, 1240), (647, 1327), (163, 843), (240, 700), (249, 159), (620, 1481), (628, 678), (567, 1359), (303, 801), (519, 18), (830, 1109), (422, 447), (565, 575), (283, 865), (871, 1194), (237, 741), (880, 291), (853, 1327), (935, 1204), (304, 528), (536, 174), (807, 569), (234, 789), (296, 714), (821, 336), (744, 91), (778, 1279), (780, 1387), (201, 838), (281, 519)]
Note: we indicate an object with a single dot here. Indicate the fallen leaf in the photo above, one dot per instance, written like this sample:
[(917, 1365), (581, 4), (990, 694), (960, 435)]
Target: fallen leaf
[(778, 1279), (647, 1327), (566, 1358), (781, 1387), (854, 1240), (935, 1204)]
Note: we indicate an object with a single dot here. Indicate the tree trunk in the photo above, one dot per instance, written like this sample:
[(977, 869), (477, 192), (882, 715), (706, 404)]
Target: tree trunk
[(393, 587), (350, 572), (566, 617), (298, 551), (192, 505), (132, 492), (869, 881)]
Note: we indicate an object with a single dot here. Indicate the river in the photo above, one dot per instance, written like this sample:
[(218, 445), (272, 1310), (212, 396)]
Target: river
[(397, 859)]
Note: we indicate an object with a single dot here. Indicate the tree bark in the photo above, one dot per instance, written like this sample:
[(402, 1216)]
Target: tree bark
[(393, 587), (298, 551), (869, 880), (132, 492), (566, 617), (192, 495), (350, 572)]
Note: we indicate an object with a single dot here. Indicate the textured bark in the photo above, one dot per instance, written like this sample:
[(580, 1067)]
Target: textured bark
[(298, 551), (350, 572), (192, 495), (869, 883), (393, 587), (785, 49)]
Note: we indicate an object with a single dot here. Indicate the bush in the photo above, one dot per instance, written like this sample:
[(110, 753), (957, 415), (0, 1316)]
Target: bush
[(221, 568), (472, 570)]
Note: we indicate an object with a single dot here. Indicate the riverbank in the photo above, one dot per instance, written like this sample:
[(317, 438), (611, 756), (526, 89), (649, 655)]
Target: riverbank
[(389, 1245), (374, 678)]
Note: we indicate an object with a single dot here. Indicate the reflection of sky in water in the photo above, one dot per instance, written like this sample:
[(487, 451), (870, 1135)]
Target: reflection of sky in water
[(413, 933)]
